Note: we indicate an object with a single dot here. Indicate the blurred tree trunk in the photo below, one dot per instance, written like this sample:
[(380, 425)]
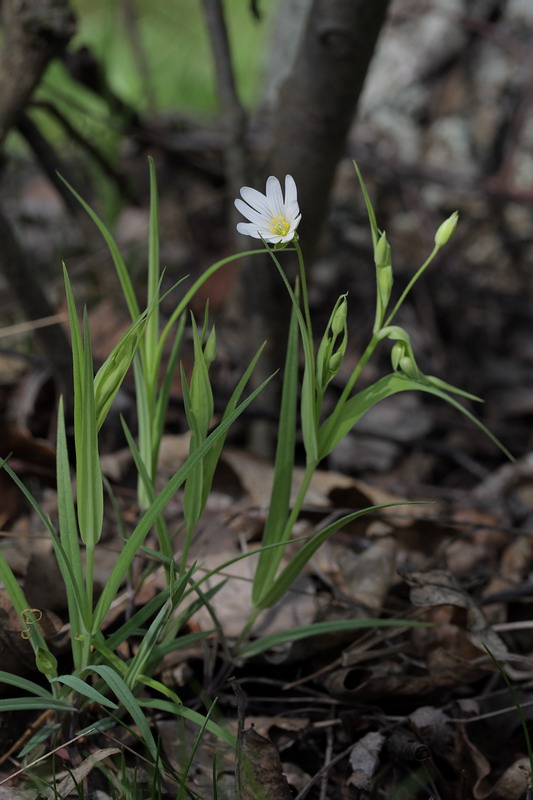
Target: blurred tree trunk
[(318, 101), (35, 31), (315, 108)]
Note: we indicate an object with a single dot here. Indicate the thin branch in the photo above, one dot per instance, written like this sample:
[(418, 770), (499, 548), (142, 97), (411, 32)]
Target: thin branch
[(233, 114)]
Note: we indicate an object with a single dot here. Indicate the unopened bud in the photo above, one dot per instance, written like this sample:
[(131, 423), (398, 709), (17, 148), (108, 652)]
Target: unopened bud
[(335, 362), (397, 353), (446, 229), (382, 251), (339, 317), (408, 367)]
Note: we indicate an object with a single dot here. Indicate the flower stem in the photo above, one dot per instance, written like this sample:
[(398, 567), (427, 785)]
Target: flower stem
[(303, 285), (410, 285)]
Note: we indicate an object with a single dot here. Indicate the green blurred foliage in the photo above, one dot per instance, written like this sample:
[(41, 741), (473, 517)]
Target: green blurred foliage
[(176, 45), (173, 74)]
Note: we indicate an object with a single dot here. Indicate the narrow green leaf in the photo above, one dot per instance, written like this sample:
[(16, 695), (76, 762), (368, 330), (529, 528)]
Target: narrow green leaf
[(41, 736), (143, 655), (144, 422), (111, 374), (68, 531), (319, 628), (163, 536), (192, 716), (85, 689), (376, 233), (279, 587), (212, 457), (34, 704), (24, 684), (164, 392), (145, 523), (308, 399), (122, 272), (280, 497), (62, 559), (338, 425), (152, 328), (129, 703), (137, 620), (184, 302), (88, 473)]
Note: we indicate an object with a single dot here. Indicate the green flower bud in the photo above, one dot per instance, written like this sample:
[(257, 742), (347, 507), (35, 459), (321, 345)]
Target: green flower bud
[(335, 362), (408, 367), (339, 317), (397, 353), (446, 229), (382, 252)]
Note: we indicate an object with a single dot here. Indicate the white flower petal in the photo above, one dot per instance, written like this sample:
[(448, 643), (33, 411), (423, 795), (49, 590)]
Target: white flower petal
[(256, 200), (275, 197), (291, 193), (261, 210), (248, 229), (292, 210), (249, 213)]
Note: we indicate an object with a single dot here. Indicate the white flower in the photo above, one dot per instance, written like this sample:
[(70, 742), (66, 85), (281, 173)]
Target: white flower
[(272, 218)]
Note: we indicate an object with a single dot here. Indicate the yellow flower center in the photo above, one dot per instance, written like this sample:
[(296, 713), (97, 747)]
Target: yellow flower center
[(279, 226)]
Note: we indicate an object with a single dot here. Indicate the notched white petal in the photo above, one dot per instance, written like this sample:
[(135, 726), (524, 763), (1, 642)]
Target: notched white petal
[(248, 229), (273, 190), (248, 212), (255, 199), (290, 190)]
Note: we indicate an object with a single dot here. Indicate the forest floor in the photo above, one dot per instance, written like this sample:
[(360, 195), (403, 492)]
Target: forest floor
[(388, 713)]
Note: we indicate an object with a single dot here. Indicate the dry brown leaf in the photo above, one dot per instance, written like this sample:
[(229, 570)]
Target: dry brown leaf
[(439, 588), (77, 775), (366, 577), (259, 770), (512, 785)]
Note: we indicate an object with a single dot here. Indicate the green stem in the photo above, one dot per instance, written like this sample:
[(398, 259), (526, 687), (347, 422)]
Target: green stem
[(182, 305), (89, 575), (410, 285), (289, 525), (186, 549), (300, 497), (250, 622), (303, 285)]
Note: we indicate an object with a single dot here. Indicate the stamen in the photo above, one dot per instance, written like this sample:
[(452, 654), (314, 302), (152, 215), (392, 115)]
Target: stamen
[(279, 226)]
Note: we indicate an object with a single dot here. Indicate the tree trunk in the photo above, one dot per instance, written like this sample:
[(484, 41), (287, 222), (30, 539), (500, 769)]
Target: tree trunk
[(316, 107), (319, 99), (34, 32)]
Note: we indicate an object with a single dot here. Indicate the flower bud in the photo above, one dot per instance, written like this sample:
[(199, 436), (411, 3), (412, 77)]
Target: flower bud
[(339, 317), (382, 252), (446, 229), (408, 367), (335, 362), (397, 353)]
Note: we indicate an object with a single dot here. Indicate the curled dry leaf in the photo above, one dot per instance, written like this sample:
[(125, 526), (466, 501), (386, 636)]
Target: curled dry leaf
[(70, 783), (439, 588), (364, 759)]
